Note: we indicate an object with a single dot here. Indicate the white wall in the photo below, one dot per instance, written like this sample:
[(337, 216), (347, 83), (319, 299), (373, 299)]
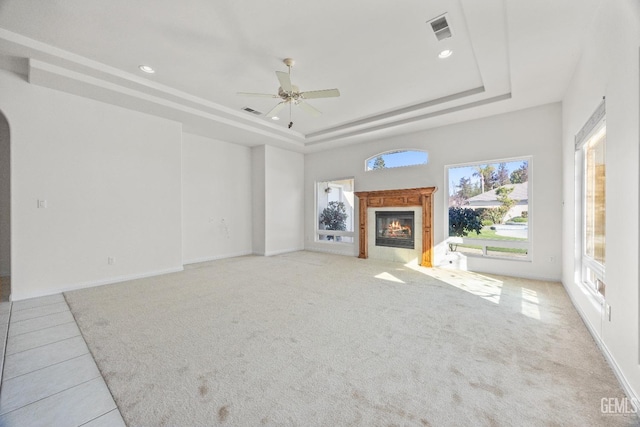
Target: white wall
[(258, 198), (609, 67), (278, 200), (535, 132), (5, 199), (284, 210), (216, 199), (111, 178)]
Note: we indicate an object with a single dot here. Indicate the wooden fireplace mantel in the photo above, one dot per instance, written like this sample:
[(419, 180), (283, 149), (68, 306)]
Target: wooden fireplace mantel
[(399, 198)]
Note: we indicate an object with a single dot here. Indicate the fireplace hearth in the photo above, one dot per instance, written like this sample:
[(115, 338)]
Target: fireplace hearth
[(395, 229)]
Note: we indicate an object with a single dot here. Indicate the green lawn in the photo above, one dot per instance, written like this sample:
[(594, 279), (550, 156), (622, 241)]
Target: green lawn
[(488, 233), (507, 250)]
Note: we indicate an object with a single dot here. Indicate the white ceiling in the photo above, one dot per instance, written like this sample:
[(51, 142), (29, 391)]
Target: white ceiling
[(508, 55)]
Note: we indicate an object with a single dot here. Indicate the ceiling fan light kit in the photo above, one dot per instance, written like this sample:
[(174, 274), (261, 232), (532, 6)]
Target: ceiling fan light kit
[(147, 69), (290, 94)]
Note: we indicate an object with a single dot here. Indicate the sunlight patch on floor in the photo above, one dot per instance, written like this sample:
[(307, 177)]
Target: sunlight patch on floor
[(485, 287), (388, 276), (530, 304)]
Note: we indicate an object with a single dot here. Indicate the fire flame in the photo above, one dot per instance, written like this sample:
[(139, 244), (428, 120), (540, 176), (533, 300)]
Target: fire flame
[(395, 229)]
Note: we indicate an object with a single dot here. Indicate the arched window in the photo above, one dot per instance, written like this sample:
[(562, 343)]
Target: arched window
[(396, 159)]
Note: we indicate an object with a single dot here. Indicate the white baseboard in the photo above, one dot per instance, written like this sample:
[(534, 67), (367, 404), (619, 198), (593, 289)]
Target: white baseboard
[(519, 275), (631, 394), (216, 257), (557, 280), (334, 251), (91, 284), (283, 251)]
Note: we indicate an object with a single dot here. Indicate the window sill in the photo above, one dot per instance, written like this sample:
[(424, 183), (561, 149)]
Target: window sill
[(333, 243), (500, 258), (596, 299)]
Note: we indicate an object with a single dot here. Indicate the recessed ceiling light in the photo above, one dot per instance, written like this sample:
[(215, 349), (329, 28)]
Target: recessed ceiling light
[(147, 69), (275, 118), (445, 53)]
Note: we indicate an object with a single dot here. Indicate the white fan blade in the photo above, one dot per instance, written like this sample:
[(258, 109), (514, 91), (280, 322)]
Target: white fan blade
[(285, 81), (276, 109), (309, 109), (258, 95), (326, 93)]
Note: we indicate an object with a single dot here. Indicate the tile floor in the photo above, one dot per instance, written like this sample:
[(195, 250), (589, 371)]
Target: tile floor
[(49, 378)]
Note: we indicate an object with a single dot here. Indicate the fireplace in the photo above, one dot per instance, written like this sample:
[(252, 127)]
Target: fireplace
[(370, 200), (395, 229)]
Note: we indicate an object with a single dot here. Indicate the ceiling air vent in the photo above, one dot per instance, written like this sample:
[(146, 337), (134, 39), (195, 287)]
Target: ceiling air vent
[(440, 27), (252, 111)]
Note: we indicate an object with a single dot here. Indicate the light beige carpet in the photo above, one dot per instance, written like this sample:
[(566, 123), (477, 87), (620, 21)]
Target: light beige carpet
[(312, 339)]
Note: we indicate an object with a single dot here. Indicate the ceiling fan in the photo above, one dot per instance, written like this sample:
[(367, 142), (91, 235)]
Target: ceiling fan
[(290, 94)]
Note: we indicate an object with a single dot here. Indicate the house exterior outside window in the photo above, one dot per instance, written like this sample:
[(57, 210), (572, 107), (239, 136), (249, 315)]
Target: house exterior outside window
[(495, 196)]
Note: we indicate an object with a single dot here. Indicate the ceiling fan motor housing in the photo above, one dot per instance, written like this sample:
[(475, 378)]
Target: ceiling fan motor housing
[(289, 96)]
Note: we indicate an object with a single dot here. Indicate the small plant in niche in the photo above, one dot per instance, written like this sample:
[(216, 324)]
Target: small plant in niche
[(334, 217)]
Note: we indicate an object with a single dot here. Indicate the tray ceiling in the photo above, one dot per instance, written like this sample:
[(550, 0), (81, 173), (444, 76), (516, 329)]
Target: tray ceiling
[(383, 56)]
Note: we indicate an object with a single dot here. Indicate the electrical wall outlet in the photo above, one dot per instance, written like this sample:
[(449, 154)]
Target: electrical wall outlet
[(42, 204), (111, 260)]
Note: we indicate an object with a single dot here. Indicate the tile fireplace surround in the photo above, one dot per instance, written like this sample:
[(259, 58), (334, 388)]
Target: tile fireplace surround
[(401, 199)]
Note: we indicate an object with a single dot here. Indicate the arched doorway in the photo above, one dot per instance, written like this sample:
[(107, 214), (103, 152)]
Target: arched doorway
[(5, 209)]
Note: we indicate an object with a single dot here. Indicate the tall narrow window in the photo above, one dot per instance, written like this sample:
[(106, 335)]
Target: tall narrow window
[(335, 201), (590, 161), (594, 230)]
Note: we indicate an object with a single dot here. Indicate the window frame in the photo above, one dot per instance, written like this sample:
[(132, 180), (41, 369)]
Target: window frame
[(488, 243), (586, 263), (336, 233)]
